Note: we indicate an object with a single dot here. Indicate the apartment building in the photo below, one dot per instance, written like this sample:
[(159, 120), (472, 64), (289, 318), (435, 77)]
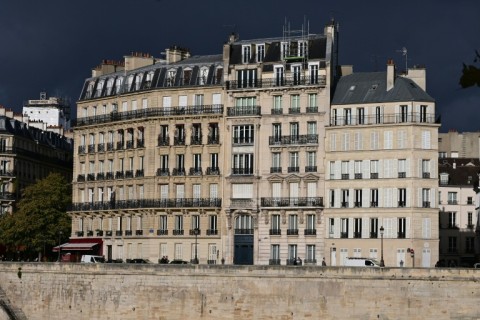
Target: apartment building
[(454, 144), (162, 168), (28, 154), (146, 175), (458, 183), (381, 164)]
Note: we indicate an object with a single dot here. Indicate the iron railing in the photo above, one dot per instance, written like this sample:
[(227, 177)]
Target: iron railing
[(147, 203), (292, 202)]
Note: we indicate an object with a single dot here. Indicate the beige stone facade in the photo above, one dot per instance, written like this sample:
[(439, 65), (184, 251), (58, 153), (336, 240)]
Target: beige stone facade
[(381, 164), (245, 146)]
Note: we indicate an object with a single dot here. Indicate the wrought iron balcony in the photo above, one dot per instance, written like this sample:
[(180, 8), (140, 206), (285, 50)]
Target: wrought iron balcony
[(108, 233), (293, 80), (109, 176), (274, 262), (373, 235), (242, 171), (243, 111), (452, 202), (357, 204), (293, 110), (110, 146), (292, 202), (99, 233), (275, 169), (178, 172), (293, 169), (128, 174), (81, 149), (213, 171), (120, 145), (243, 140), (129, 144), (426, 175), (81, 178), (374, 175), (358, 176), (401, 204), (178, 232), (275, 232), (140, 143), (195, 171), (414, 117), (402, 174), (90, 177), (118, 233), (139, 232), (310, 232), (79, 233), (162, 232), (196, 140), (150, 113), (293, 139), (148, 203), (101, 147), (426, 204), (213, 140), (401, 234), (212, 232), (373, 204), (243, 231), (344, 204), (163, 141), (192, 232), (163, 172), (292, 232), (139, 173), (91, 148), (344, 235), (311, 110), (357, 235), (345, 176), (128, 232), (119, 175), (179, 141), (277, 111), (311, 169)]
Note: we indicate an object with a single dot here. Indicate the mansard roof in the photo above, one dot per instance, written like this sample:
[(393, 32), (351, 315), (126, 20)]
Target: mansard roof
[(371, 87), (461, 171)]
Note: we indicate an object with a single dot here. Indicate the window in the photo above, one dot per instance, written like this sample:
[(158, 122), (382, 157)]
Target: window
[(302, 48), (426, 141), (452, 244), (452, 220), (332, 198), (243, 163), (295, 103), (452, 198), (402, 197), (343, 228), (358, 141), (311, 161), (345, 198), (294, 131), (331, 227), (260, 52), (402, 168), (243, 134), (469, 244), (247, 78), (292, 224), (276, 164), (310, 254), (275, 227), (469, 200), (292, 253), (178, 230), (358, 169), (296, 74), (312, 102), (378, 115), (358, 198), (285, 49), (275, 254), (423, 113), (373, 228), (360, 115), (426, 198), (403, 116), (243, 224), (346, 142), (402, 225), (212, 225), (310, 230), (246, 53), (345, 175), (293, 162), (357, 227), (373, 198), (347, 115), (425, 169), (313, 74), (279, 79), (388, 140), (277, 104), (374, 140), (469, 220), (374, 169)]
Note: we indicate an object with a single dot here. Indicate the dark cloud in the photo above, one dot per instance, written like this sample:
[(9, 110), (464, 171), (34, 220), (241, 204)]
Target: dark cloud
[(53, 45)]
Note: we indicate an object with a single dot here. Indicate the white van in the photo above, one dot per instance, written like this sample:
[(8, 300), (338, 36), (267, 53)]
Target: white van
[(361, 262), (86, 258)]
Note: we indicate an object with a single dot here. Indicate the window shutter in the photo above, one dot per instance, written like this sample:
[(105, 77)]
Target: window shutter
[(350, 226), (213, 190), (380, 169), (312, 189), (407, 168), (366, 169), (407, 228), (365, 228), (365, 198), (333, 142), (276, 190), (419, 201), (433, 203), (336, 231), (337, 198), (408, 196), (380, 197), (351, 169), (337, 169)]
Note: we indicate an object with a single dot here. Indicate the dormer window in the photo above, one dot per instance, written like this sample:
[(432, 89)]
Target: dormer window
[(118, 84), (148, 80), (302, 48), (260, 52), (99, 88), (109, 86), (246, 53), (171, 77), (89, 92), (187, 76), (138, 81), (285, 49), (203, 76), (129, 83), (443, 178)]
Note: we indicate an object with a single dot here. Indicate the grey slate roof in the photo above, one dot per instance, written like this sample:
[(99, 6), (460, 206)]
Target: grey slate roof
[(370, 87), (465, 173)]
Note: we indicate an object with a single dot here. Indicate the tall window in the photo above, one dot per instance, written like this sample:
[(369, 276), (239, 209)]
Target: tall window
[(243, 134), (360, 115), (275, 254), (402, 197), (279, 76), (310, 224), (243, 163), (260, 52), (276, 164), (373, 198), (292, 224), (246, 53), (402, 228), (423, 113), (310, 254), (212, 225), (403, 117), (452, 220), (347, 115), (344, 228), (374, 228), (293, 163), (374, 169), (313, 73), (178, 225), (426, 169), (452, 197), (358, 198), (345, 198), (311, 161), (426, 198), (312, 101), (295, 103), (357, 227), (275, 227), (402, 168)]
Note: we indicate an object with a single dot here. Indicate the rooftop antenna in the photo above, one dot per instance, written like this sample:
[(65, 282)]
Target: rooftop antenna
[(405, 54)]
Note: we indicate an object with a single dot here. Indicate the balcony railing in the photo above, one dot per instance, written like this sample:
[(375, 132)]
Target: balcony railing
[(162, 232), (177, 232), (148, 203), (79, 233), (195, 171), (163, 172), (311, 110), (275, 232), (140, 143), (293, 110), (426, 175), (276, 111), (110, 146), (401, 204), (274, 262), (293, 169), (242, 171), (81, 178), (101, 147), (292, 202), (275, 169), (90, 177), (81, 149), (243, 111), (128, 232), (402, 174), (150, 113), (163, 141), (212, 232), (344, 235), (91, 148), (139, 232), (426, 204), (178, 172), (212, 171), (128, 174), (118, 233), (374, 175), (452, 202), (357, 235), (213, 140), (401, 234), (277, 82), (358, 176), (293, 139), (373, 235), (414, 117), (345, 176), (196, 140), (310, 232), (311, 169), (243, 231), (179, 141), (373, 204), (119, 175), (192, 232), (139, 173), (129, 144), (109, 176), (120, 145)]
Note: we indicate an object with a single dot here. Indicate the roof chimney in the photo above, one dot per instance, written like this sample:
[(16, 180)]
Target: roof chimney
[(390, 74), (175, 54)]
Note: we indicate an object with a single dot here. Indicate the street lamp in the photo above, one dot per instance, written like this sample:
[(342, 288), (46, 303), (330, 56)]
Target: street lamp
[(196, 231), (59, 247), (382, 263)]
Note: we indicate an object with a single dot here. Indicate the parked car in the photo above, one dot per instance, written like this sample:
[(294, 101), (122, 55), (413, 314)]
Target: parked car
[(86, 258), (178, 262), (361, 262), (138, 261)]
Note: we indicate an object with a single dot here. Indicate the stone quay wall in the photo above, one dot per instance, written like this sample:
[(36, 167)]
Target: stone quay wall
[(129, 291)]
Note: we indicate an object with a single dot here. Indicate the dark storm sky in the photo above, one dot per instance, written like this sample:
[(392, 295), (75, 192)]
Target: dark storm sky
[(52, 45)]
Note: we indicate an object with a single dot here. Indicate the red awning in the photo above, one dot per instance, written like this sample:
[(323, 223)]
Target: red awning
[(75, 246)]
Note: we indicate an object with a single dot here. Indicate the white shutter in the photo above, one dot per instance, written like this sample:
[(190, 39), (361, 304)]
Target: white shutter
[(365, 198), (242, 191), (433, 193), (276, 190), (407, 168), (419, 202), (336, 229), (213, 190), (182, 101), (311, 189), (216, 98), (408, 196), (419, 168), (167, 102), (350, 227), (366, 169), (386, 168), (407, 228), (380, 169), (337, 198), (380, 197), (351, 169), (426, 228), (197, 193), (294, 190), (351, 195), (433, 169), (180, 191), (365, 230), (164, 191), (333, 142), (338, 165)]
